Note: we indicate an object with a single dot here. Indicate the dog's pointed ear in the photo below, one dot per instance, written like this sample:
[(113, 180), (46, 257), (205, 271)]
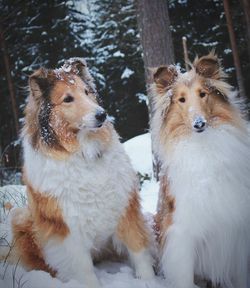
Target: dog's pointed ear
[(209, 66), (77, 66), (164, 77), (38, 82)]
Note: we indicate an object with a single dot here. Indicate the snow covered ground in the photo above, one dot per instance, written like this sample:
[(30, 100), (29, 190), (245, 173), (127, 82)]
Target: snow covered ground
[(112, 275), (139, 151)]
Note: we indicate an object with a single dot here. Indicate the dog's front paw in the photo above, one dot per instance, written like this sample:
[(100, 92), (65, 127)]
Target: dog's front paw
[(145, 271), (92, 282), (89, 280)]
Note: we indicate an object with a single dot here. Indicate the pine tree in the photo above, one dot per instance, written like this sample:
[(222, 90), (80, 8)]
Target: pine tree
[(41, 33), (117, 56), (204, 25)]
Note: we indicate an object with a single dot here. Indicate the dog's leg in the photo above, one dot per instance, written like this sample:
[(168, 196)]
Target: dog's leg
[(178, 259), (240, 279), (142, 262), (71, 260), (132, 232)]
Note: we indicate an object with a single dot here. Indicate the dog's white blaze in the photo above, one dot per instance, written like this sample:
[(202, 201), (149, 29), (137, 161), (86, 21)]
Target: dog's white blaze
[(209, 176)]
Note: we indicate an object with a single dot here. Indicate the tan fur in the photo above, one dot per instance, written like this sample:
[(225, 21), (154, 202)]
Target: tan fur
[(33, 226), (8, 206), (64, 117), (164, 77), (215, 108), (46, 214), (209, 66), (103, 135), (131, 228), (33, 107), (165, 210), (26, 246), (205, 77)]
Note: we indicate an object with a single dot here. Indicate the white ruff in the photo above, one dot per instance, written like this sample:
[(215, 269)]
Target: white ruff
[(92, 191), (209, 175)]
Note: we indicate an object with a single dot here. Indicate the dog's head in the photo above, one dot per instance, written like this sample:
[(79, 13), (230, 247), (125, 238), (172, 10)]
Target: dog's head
[(191, 102), (62, 102)]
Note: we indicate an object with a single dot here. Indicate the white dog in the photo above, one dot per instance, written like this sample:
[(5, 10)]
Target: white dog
[(204, 205)]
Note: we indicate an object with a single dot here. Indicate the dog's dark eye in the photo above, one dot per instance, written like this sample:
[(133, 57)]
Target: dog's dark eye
[(68, 99), (86, 92), (182, 100), (203, 94)]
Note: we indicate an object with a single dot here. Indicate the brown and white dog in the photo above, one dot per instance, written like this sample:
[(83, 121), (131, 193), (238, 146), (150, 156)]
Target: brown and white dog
[(203, 210), (82, 190)]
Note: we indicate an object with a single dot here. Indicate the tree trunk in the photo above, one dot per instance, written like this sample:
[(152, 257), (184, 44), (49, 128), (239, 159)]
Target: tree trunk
[(185, 52), (155, 34), (9, 81), (246, 9), (156, 39), (234, 49)]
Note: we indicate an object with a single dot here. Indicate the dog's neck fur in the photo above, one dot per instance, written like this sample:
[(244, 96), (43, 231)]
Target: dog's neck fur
[(89, 144), (215, 146), (208, 177), (93, 144)]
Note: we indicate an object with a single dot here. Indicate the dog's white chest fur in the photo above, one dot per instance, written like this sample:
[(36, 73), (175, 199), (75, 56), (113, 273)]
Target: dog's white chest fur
[(209, 176), (93, 192)]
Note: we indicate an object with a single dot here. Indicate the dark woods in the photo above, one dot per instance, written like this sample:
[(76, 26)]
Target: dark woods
[(43, 33)]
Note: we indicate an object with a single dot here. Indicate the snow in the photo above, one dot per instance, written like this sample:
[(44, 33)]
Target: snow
[(110, 274), (13, 195), (140, 153), (118, 54), (127, 73), (149, 194), (169, 93), (142, 98), (210, 44), (130, 31), (227, 51)]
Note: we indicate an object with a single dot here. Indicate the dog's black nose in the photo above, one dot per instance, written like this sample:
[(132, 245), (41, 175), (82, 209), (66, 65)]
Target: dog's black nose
[(101, 116), (199, 125)]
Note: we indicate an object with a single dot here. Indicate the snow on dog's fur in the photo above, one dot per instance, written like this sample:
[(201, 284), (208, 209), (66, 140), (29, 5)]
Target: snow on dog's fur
[(203, 209), (82, 190)]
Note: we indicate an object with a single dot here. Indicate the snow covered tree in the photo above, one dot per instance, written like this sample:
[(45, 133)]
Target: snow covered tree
[(117, 56), (156, 40), (246, 9), (155, 34), (43, 33), (204, 25), (39, 33), (234, 48)]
